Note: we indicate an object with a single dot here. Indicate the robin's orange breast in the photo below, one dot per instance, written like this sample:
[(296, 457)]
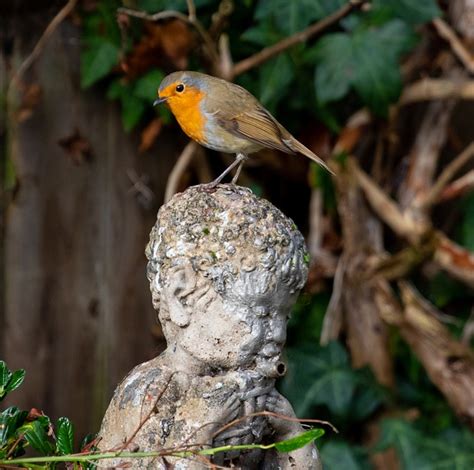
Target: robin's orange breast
[(187, 111)]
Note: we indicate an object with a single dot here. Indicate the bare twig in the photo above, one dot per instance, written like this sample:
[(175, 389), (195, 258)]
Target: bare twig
[(424, 154), (193, 21), (301, 36), (333, 317), (400, 222), (446, 175), (437, 89), (54, 23), (180, 166), (458, 187), (458, 48), (468, 330)]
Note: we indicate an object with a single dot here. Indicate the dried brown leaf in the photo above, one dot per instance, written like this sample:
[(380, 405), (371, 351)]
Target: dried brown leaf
[(76, 147)]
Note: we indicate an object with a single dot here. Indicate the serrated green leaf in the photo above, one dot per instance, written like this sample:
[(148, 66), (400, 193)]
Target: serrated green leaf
[(338, 455), (37, 437), (10, 420), (97, 61), (275, 76), (411, 11), (16, 380), (64, 436), (297, 442), (146, 87)]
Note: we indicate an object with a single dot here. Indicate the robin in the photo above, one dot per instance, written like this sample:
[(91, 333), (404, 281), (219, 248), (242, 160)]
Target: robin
[(225, 117)]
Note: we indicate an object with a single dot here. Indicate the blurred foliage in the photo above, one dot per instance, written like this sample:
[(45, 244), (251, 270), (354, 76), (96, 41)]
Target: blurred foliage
[(354, 64), (20, 430)]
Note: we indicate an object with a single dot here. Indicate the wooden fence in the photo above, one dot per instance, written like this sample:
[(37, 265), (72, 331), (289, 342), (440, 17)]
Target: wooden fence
[(76, 310)]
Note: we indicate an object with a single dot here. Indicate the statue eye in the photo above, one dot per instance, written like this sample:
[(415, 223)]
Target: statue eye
[(180, 88)]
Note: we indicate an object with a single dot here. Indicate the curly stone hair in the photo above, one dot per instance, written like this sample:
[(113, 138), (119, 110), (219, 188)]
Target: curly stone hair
[(253, 254)]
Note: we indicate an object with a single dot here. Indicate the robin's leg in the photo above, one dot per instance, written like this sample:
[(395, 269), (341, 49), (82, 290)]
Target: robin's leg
[(239, 168), (238, 161)]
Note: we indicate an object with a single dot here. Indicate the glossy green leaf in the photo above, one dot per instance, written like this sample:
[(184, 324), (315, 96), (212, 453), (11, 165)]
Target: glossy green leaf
[(37, 437), (297, 442), (16, 380), (97, 61), (64, 436), (5, 375), (10, 420)]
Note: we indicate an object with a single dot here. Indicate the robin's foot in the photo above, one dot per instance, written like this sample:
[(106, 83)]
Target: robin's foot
[(239, 160)]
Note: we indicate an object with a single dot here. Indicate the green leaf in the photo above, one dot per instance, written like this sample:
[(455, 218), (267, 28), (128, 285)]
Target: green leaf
[(16, 380), (333, 77), (319, 376), (411, 11), (366, 60), (97, 61), (5, 376), (10, 420), (64, 436), (417, 451), (132, 111), (295, 15), (275, 76), (297, 442), (37, 437), (146, 87), (338, 455)]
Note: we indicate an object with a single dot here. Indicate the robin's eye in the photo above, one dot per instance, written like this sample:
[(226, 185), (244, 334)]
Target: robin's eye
[(180, 88)]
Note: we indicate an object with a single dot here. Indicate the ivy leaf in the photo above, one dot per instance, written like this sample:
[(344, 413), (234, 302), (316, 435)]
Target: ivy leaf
[(299, 441), (411, 11), (321, 377), (64, 436), (366, 60), (295, 15), (97, 61), (132, 111), (275, 76), (419, 451), (333, 77), (37, 437), (340, 455)]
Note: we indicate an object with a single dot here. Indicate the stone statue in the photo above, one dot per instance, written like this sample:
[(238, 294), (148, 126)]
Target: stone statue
[(225, 268)]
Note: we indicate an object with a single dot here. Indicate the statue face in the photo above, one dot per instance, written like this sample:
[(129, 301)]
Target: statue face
[(220, 332)]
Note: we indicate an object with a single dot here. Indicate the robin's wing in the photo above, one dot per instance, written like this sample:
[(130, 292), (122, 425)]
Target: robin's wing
[(258, 126)]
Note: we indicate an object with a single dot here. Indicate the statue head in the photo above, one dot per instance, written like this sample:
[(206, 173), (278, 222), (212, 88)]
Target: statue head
[(225, 269)]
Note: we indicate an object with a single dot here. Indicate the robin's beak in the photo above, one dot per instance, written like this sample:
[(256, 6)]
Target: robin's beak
[(159, 101)]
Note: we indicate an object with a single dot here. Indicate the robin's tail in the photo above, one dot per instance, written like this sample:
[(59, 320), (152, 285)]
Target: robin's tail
[(297, 146)]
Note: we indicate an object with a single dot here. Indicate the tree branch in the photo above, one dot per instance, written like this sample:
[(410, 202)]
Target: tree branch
[(437, 89), (301, 36), (458, 48), (180, 166), (446, 175)]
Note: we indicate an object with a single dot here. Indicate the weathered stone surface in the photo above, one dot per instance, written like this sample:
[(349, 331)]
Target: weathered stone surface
[(224, 267)]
